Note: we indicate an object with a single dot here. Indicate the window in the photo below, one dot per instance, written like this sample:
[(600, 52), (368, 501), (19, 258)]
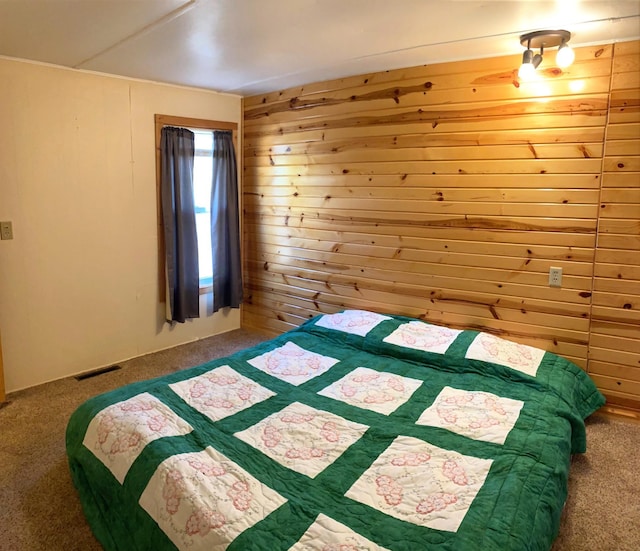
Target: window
[(202, 176)]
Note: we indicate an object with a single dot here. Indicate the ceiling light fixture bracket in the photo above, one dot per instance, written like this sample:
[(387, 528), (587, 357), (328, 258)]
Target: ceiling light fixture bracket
[(544, 39)]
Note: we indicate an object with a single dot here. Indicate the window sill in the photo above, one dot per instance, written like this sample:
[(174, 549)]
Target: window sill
[(206, 285)]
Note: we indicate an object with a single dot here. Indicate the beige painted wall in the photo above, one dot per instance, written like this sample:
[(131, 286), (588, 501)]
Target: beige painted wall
[(78, 283)]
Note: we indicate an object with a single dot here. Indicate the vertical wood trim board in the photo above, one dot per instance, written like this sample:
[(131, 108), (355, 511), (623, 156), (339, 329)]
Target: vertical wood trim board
[(2, 387), (446, 192)]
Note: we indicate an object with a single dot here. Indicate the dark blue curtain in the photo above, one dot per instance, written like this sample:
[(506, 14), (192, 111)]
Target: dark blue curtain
[(179, 221), (225, 224)]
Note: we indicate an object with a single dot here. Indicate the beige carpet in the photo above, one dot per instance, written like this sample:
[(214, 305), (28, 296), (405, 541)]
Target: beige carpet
[(40, 510)]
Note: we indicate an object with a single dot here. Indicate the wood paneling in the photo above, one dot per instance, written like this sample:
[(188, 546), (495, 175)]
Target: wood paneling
[(446, 192), (614, 345)]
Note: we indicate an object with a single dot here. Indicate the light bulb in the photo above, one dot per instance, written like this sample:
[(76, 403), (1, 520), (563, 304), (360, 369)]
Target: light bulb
[(565, 56), (527, 71)]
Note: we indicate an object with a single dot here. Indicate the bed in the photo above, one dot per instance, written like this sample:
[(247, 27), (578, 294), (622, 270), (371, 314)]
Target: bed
[(355, 431)]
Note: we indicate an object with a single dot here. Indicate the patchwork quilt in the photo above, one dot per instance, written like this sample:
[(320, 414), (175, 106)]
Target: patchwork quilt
[(355, 431)]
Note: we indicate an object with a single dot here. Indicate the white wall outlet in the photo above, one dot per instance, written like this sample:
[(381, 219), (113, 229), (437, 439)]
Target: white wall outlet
[(555, 277), (6, 230)]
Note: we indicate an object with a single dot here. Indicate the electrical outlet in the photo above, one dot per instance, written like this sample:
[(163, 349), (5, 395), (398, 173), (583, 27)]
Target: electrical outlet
[(6, 230), (555, 277)]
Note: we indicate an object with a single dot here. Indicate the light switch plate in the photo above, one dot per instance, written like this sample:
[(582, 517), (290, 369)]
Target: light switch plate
[(6, 230)]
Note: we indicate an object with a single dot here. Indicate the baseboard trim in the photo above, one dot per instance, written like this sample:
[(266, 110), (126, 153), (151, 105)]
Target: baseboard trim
[(621, 401), (622, 412)]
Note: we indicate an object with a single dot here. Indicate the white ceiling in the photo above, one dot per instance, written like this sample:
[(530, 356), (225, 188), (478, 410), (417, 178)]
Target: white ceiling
[(255, 46)]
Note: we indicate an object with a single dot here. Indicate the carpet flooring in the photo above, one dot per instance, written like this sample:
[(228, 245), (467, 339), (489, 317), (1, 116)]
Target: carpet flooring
[(40, 509)]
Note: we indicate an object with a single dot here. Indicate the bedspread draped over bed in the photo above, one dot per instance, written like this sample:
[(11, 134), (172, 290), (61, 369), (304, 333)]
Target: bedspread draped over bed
[(354, 431)]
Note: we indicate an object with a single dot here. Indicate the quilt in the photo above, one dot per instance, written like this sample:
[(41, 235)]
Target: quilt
[(356, 431)]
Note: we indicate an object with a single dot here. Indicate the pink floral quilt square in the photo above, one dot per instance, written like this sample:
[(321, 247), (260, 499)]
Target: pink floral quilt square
[(489, 348), (221, 392), (118, 434), (479, 415), (417, 482), (356, 322), (302, 438), (293, 363), (374, 390), (203, 500), (326, 534), (423, 336)]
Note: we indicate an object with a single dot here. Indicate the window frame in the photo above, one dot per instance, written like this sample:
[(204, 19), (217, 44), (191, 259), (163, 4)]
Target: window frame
[(183, 122)]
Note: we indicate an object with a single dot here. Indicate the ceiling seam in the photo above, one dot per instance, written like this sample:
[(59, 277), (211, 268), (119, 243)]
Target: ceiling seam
[(173, 14)]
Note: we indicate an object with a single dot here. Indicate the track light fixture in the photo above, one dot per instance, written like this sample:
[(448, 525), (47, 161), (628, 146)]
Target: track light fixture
[(542, 40)]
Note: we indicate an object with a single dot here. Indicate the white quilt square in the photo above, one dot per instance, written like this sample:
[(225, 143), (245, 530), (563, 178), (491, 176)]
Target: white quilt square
[(220, 392), (118, 434), (420, 483), (293, 364), (370, 389), (303, 438), (423, 336), (203, 500), (326, 534), (489, 348), (356, 322), (479, 415)]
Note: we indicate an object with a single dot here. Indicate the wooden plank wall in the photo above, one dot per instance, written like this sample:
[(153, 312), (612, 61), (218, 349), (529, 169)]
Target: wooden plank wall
[(614, 351), (446, 192)]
